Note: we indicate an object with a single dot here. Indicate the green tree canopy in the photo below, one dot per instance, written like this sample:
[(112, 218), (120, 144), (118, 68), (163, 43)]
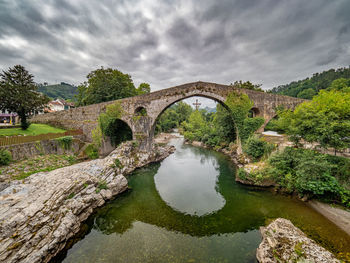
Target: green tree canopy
[(18, 93), (317, 82), (247, 85), (325, 120), (106, 85), (307, 94), (228, 123), (341, 84), (173, 116), (143, 88)]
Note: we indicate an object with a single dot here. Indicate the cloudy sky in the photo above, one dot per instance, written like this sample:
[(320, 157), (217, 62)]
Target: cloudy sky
[(169, 42)]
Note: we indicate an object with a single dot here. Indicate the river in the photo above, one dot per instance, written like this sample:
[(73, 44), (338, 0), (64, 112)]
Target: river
[(188, 208)]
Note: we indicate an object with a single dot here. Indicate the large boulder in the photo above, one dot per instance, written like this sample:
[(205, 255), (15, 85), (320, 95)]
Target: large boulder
[(283, 242)]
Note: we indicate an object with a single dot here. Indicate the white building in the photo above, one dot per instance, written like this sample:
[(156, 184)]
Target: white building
[(58, 105)]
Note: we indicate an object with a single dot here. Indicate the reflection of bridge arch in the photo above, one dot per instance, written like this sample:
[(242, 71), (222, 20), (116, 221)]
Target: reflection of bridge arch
[(153, 210), (155, 103)]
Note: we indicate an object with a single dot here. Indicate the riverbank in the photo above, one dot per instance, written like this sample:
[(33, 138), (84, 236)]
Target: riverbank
[(41, 213), (164, 138), (338, 216)]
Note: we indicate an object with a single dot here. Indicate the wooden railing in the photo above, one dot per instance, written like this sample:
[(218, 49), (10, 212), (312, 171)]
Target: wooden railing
[(41, 137)]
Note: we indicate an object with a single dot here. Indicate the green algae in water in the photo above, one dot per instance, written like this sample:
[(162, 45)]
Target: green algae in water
[(189, 208)]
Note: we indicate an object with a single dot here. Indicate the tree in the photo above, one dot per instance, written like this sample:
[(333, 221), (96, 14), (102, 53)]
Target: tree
[(143, 88), (105, 85), (340, 84), (247, 85), (239, 106), (194, 127), (317, 82), (325, 120), (19, 94), (173, 116), (307, 94)]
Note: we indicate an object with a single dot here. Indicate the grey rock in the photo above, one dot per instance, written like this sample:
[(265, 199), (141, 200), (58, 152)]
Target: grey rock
[(46, 209), (283, 242)]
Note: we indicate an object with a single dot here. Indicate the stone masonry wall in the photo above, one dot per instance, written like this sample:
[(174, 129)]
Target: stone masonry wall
[(27, 150)]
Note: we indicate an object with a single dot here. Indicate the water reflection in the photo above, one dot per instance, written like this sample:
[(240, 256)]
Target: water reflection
[(187, 181), (217, 223)]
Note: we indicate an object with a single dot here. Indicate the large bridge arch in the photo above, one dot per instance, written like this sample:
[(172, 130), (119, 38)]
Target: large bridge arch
[(211, 96)]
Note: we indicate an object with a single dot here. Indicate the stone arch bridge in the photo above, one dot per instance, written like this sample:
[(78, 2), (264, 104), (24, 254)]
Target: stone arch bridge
[(143, 127)]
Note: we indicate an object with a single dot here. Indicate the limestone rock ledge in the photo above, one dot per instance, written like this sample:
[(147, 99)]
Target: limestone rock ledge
[(283, 242), (39, 214)]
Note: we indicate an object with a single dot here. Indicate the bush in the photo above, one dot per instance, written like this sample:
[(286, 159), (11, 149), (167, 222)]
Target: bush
[(91, 151), (273, 125), (65, 142), (257, 148), (250, 125), (5, 157), (242, 174), (309, 172)]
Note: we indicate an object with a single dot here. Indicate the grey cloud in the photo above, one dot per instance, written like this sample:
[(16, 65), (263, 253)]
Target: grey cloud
[(168, 43)]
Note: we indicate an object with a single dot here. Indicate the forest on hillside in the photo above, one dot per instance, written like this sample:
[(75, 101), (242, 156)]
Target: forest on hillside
[(309, 87), (59, 91)]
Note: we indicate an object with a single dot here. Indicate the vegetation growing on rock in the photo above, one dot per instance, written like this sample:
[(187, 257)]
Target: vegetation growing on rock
[(5, 157)]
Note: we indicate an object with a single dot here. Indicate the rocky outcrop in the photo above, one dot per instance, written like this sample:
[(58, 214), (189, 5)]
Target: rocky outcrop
[(283, 242), (39, 214)]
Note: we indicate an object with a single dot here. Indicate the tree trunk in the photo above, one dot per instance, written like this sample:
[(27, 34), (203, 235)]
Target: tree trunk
[(24, 122)]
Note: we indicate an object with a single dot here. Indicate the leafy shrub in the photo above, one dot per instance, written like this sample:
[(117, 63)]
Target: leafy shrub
[(91, 151), (65, 142), (250, 125), (257, 148), (5, 157), (309, 172), (242, 174), (118, 164), (273, 125), (101, 185), (341, 169), (96, 135)]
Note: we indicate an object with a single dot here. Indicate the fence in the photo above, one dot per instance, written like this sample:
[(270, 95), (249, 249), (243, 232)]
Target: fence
[(41, 137)]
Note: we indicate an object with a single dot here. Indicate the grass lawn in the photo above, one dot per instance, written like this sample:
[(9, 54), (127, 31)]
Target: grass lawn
[(34, 129)]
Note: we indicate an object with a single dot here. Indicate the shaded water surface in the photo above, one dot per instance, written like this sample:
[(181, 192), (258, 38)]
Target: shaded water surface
[(188, 208)]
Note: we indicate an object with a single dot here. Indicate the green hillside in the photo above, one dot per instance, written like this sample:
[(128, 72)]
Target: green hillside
[(63, 90), (309, 87)]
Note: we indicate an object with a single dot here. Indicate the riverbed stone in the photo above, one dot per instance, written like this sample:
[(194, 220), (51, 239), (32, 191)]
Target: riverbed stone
[(283, 242), (39, 214)]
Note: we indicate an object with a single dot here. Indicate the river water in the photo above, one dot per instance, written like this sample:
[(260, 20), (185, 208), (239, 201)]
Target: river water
[(188, 208)]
